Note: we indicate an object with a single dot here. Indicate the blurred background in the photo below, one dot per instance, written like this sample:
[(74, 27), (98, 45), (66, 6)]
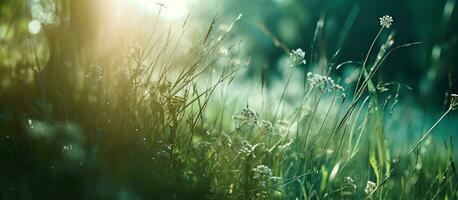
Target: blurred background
[(322, 28), (346, 26), (350, 26)]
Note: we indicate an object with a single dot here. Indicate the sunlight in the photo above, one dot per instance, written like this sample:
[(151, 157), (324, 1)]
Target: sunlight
[(169, 9)]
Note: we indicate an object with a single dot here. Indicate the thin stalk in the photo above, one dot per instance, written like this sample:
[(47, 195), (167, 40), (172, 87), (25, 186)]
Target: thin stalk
[(366, 59), (282, 95), (311, 120), (315, 142), (354, 125), (332, 133)]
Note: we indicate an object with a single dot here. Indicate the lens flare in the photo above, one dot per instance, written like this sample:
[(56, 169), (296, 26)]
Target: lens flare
[(169, 9)]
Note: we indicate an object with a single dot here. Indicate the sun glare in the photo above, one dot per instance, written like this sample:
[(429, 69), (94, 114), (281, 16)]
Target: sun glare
[(169, 9)]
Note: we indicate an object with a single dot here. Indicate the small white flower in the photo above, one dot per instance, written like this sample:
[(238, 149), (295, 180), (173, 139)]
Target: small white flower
[(324, 83), (249, 114), (370, 187), (349, 188), (309, 74), (246, 118), (247, 149), (266, 128), (386, 21), (262, 174), (350, 182), (297, 57)]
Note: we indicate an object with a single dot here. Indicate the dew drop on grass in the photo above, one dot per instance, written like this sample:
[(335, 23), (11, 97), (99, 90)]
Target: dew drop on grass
[(30, 123), (68, 147)]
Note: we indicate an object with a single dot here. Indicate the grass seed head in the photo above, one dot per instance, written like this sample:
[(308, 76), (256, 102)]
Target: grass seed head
[(247, 149), (370, 187), (324, 83), (266, 128), (386, 21), (262, 173), (247, 117), (297, 57)]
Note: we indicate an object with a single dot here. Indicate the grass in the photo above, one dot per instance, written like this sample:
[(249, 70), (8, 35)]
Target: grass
[(154, 117)]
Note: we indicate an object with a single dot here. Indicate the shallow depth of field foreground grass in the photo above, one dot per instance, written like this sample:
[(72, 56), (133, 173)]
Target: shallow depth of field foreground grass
[(124, 105)]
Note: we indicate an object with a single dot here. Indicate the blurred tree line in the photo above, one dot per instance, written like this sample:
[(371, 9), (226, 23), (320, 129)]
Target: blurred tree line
[(67, 30), (350, 26)]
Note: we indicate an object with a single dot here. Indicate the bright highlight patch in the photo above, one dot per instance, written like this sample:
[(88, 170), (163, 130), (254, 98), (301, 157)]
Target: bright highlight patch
[(169, 9), (34, 27)]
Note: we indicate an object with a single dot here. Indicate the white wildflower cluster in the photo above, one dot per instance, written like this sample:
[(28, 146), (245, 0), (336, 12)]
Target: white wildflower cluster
[(247, 149), (349, 187), (350, 182), (265, 128), (324, 83), (262, 174), (247, 120), (246, 117), (370, 187), (297, 57), (454, 102), (386, 21)]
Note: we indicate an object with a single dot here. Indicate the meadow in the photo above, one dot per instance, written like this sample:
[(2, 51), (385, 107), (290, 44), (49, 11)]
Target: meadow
[(179, 110)]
